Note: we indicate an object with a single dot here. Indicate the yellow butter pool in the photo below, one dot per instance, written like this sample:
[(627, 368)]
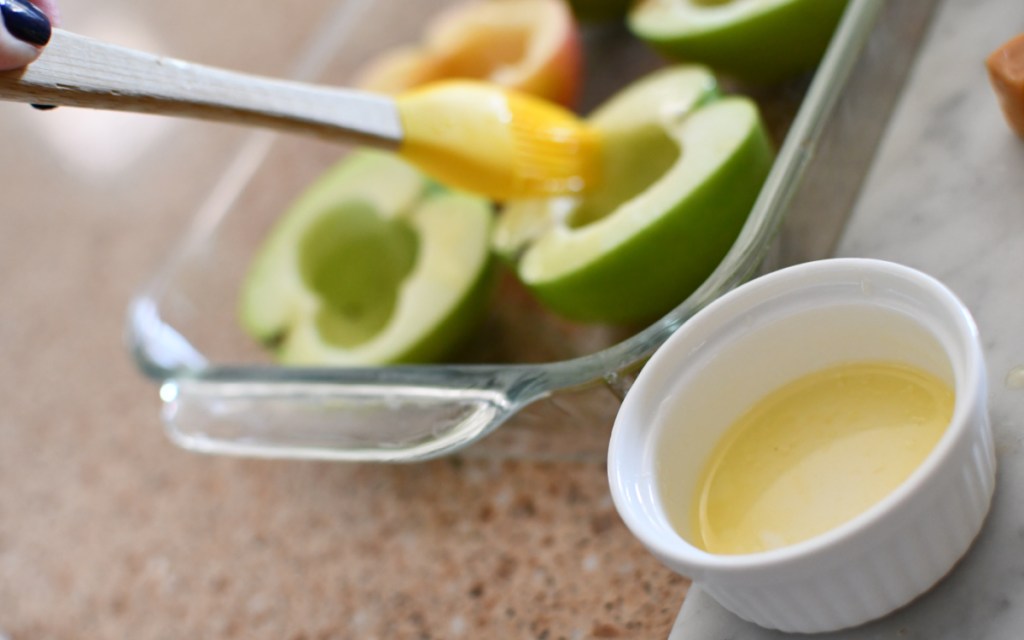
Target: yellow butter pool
[(811, 455)]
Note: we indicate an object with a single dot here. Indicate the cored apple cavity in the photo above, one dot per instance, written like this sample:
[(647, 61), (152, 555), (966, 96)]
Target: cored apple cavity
[(482, 51), (632, 163), (356, 261), (373, 264), (639, 146), (531, 46)]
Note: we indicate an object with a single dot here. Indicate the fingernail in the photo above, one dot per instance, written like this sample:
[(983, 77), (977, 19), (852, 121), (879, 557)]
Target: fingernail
[(42, 107), (26, 22)]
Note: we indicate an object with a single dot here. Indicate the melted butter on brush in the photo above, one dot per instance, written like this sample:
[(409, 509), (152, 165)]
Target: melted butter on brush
[(496, 142)]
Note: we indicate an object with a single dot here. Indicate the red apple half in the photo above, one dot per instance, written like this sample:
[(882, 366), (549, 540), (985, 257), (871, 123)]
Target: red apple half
[(528, 45)]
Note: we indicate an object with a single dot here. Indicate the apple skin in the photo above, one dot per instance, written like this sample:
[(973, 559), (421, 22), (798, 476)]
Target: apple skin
[(639, 261), (774, 41), (437, 304), (463, 40)]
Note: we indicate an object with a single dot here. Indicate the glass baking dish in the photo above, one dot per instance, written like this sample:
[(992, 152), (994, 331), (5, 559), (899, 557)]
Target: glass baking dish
[(552, 386)]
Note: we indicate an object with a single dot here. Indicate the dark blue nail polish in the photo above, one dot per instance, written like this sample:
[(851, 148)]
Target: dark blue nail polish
[(25, 22), (44, 107)]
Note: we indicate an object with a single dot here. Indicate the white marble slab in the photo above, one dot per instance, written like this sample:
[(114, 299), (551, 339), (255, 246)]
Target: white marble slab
[(946, 195)]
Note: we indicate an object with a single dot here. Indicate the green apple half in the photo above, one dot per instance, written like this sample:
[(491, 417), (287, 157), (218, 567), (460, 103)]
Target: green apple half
[(682, 169), (758, 41), (374, 264)]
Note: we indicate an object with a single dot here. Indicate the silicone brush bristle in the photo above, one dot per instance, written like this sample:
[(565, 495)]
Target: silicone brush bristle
[(502, 144), (555, 153)]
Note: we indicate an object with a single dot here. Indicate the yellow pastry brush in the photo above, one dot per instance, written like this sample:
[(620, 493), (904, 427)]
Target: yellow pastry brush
[(470, 135)]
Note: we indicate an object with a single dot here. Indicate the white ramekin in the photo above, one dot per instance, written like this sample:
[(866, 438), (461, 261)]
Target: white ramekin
[(755, 338)]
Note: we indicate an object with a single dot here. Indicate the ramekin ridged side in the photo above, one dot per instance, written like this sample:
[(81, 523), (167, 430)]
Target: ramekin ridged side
[(880, 560), (889, 566)]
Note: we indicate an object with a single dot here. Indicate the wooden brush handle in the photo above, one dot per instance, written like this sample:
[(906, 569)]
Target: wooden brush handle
[(81, 72)]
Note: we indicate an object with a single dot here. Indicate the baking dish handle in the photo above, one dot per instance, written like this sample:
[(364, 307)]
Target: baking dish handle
[(329, 420)]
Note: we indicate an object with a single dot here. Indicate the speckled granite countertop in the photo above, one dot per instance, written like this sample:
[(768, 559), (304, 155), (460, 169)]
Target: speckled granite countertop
[(109, 531)]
